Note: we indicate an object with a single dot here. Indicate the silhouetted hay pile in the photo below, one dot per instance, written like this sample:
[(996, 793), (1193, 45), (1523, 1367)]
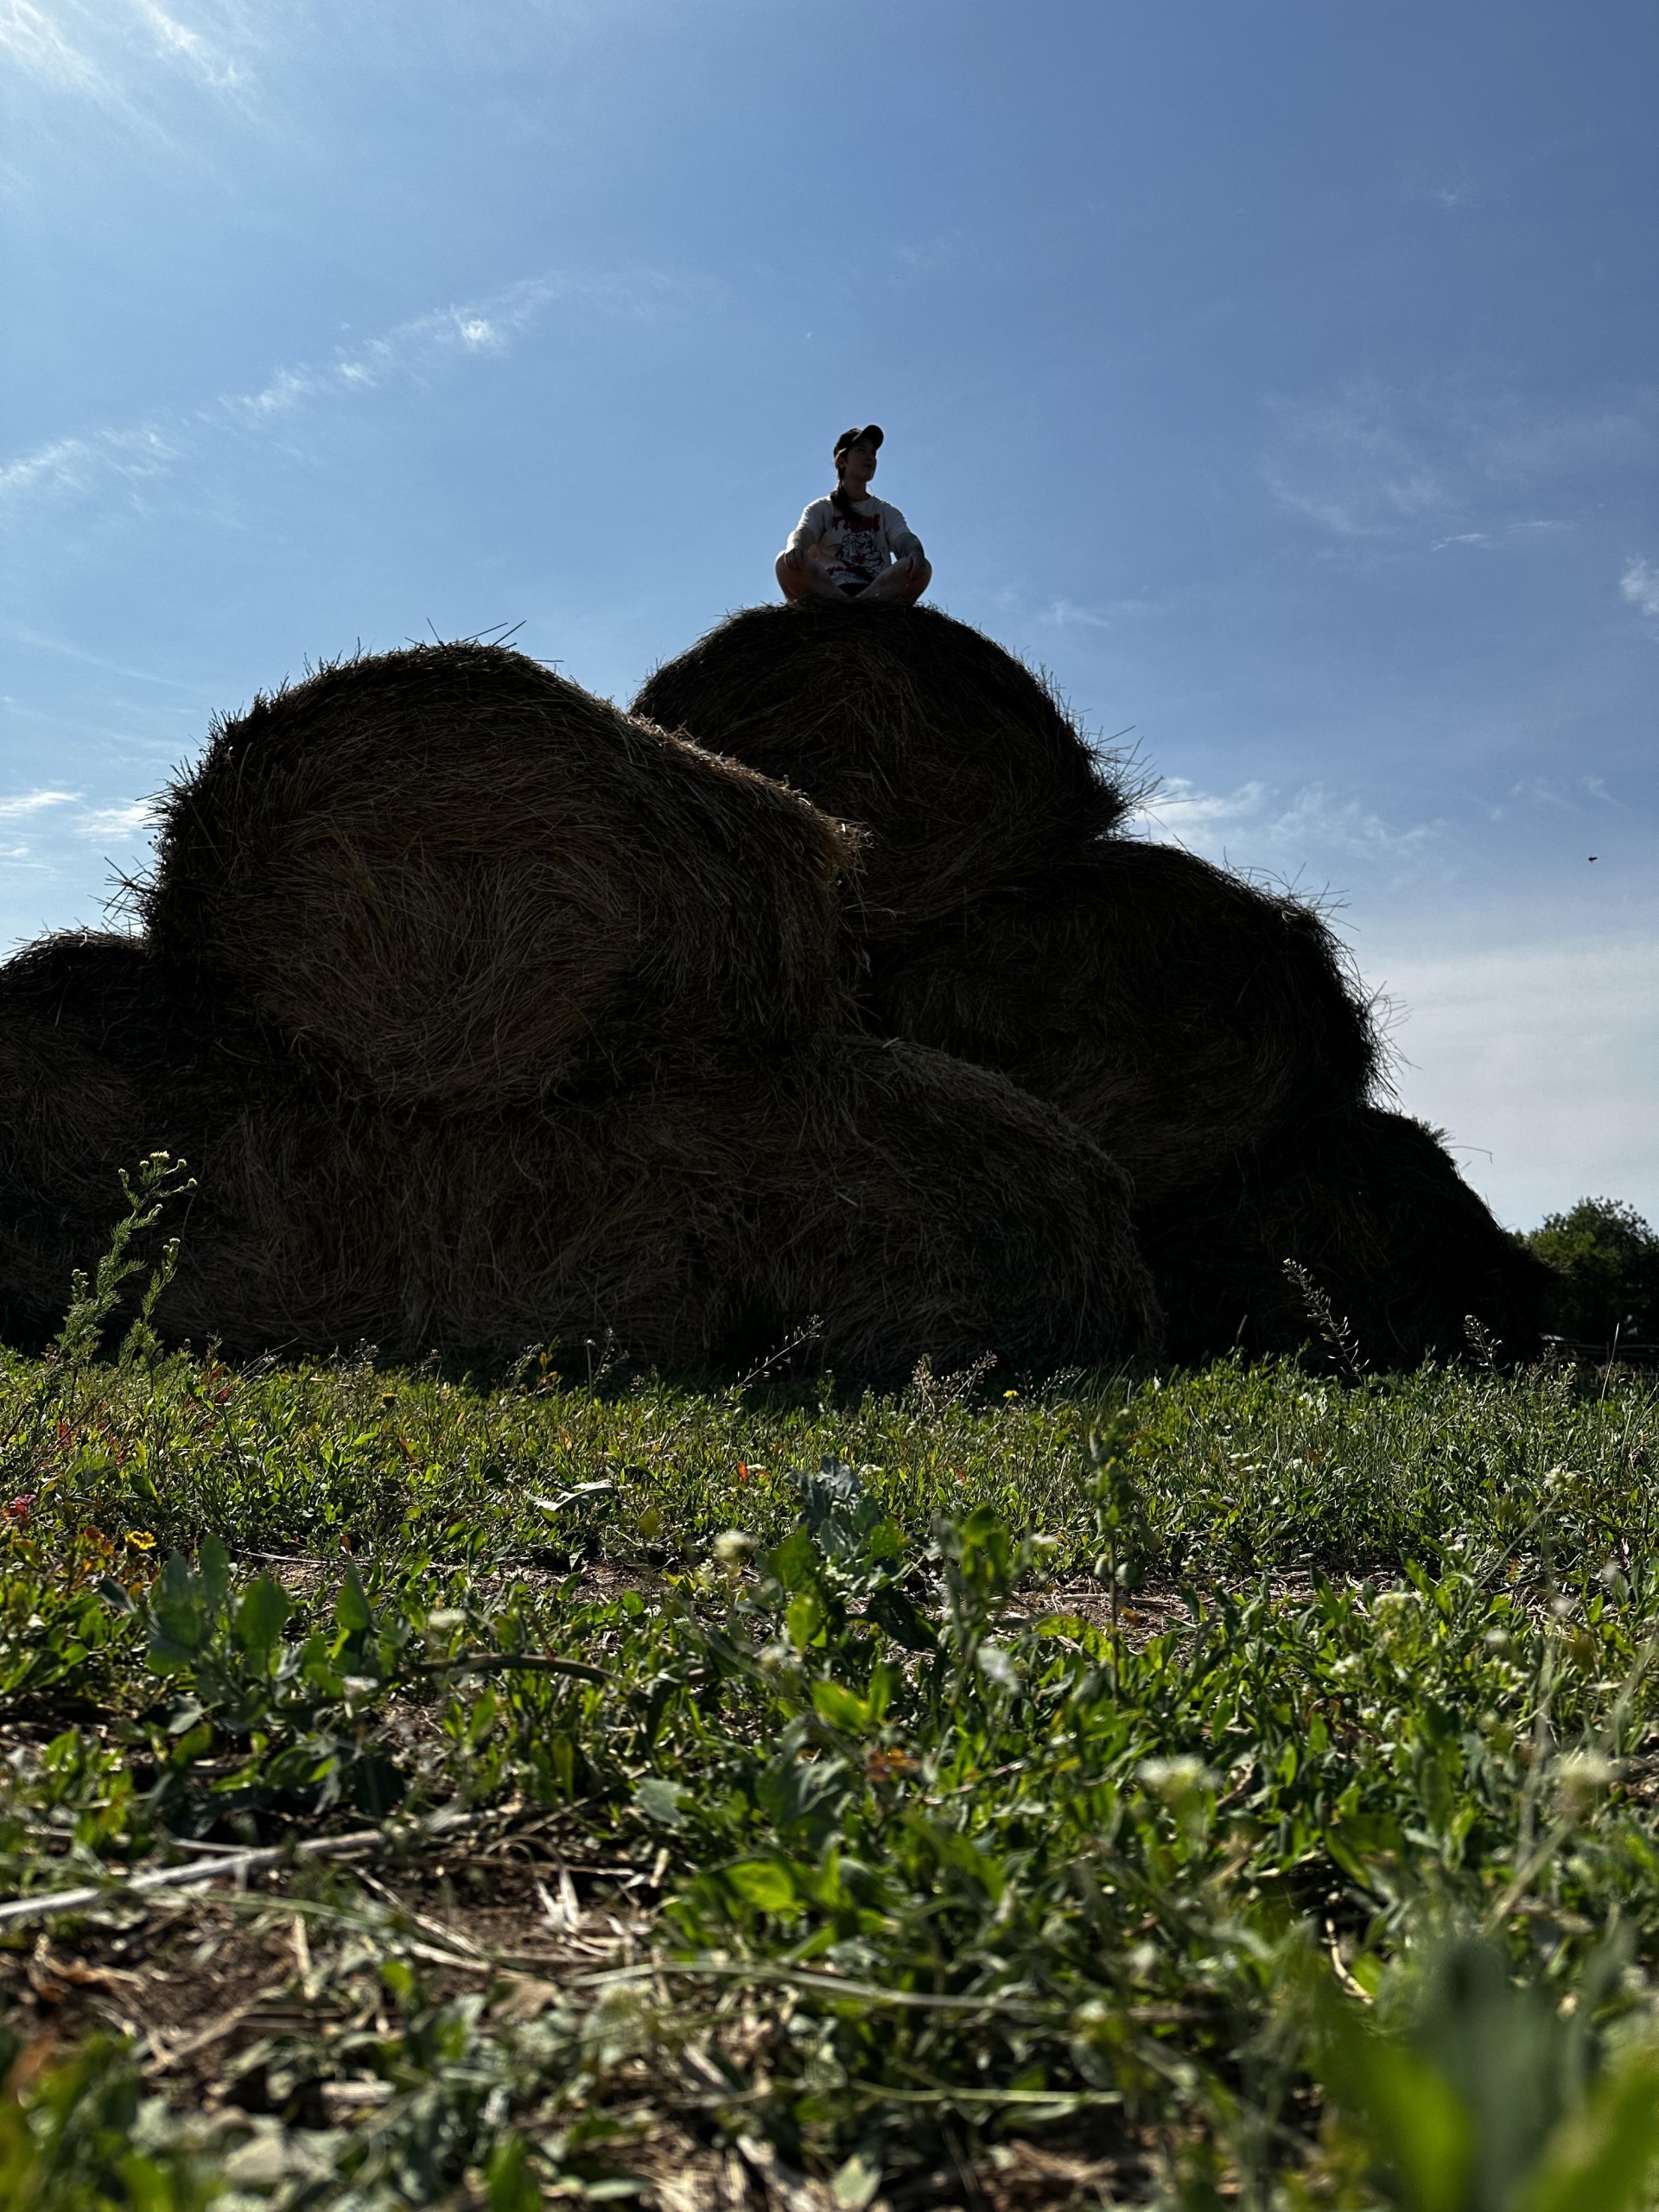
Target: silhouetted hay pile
[(912, 1205), (81, 1017), (107, 1053), (461, 874), (485, 1014), (948, 749), (1175, 1012), (1207, 1034), (87, 1022), (1371, 1207)]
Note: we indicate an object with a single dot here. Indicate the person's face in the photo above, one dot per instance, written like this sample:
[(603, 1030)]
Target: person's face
[(859, 461)]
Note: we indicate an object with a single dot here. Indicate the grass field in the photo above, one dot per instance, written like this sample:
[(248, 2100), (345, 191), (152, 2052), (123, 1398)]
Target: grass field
[(1228, 1787)]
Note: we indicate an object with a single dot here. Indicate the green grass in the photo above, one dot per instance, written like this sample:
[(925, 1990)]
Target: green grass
[(1235, 1787)]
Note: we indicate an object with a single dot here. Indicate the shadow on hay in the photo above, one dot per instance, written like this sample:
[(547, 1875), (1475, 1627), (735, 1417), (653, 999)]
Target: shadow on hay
[(1207, 1034), (960, 761), (486, 1015), (1371, 1206), (463, 874), (108, 1054), (1177, 1013), (913, 1206)]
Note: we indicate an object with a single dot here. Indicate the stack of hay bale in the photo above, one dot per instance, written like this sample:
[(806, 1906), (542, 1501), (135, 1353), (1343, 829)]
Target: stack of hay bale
[(485, 1014), (1204, 1032)]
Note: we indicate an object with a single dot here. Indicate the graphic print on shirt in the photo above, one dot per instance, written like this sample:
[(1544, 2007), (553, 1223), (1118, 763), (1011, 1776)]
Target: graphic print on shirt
[(859, 554)]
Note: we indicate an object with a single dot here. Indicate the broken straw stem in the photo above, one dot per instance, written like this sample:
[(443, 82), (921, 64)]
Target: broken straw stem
[(195, 1872)]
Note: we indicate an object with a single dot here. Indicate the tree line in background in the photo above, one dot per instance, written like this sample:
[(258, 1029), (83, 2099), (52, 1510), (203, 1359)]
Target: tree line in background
[(1605, 1259)]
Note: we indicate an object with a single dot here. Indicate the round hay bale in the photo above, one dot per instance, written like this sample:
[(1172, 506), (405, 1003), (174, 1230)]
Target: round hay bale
[(957, 759), (109, 1053), (1371, 1206), (87, 1020), (80, 1013), (461, 873), (72, 1114), (694, 1218), (1177, 1013), (914, 1206)]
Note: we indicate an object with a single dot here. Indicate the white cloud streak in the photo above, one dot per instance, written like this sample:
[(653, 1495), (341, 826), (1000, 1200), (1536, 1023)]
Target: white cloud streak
[(1350, 465), (414, 349), (1567, 798), (1639, 585), (177, 42), (103, 50), (1311, 829), (35, 46), (1066, 614), (1379, 463), (90, 464), (20, 807), (85, 464), (133, 818)]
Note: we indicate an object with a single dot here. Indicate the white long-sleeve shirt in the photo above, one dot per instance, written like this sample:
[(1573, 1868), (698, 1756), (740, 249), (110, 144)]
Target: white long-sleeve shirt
[(855, 552)]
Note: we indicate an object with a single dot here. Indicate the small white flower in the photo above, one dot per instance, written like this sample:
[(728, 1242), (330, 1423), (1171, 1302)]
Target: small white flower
[(1174, 1779), (997, 1666), (733, 1549)]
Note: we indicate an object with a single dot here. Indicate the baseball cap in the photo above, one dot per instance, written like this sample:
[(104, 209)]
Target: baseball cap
[(873, 431)]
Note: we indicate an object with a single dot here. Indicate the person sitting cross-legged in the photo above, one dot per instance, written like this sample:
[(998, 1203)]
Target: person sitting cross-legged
[(850, 546)]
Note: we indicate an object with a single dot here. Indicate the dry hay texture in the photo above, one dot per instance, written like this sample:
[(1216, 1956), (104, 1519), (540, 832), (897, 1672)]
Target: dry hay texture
[(911, 1205), (1205, 1032), (952, 754), (907, 1206), (1177, 1013), (108, 1054), (486, 1015), (464, 874), (1371, 1207)]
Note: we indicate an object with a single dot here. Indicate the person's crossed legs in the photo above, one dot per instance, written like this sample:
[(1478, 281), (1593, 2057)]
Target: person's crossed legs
[(904, 581), (801, 577)]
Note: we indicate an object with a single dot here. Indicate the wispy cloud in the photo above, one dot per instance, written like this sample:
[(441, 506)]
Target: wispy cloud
[(178, 42), (1567, 797), (1380, 464), (1179, 808), (1350, 464), (87, 463), (1063, 615), (133, 818), (32, 42), (424, 344), (929, 256), (1312, 829), (1504, 534), (90, 463), (1066, 614), (101, 50), (1640, 585), (50, 820), (22, 804)]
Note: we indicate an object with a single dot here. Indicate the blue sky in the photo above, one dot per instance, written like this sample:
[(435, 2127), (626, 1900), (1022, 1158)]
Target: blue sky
[(1283, 378)]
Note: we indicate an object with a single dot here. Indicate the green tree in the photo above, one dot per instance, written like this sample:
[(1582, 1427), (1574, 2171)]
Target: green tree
[(1607, 1263)]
